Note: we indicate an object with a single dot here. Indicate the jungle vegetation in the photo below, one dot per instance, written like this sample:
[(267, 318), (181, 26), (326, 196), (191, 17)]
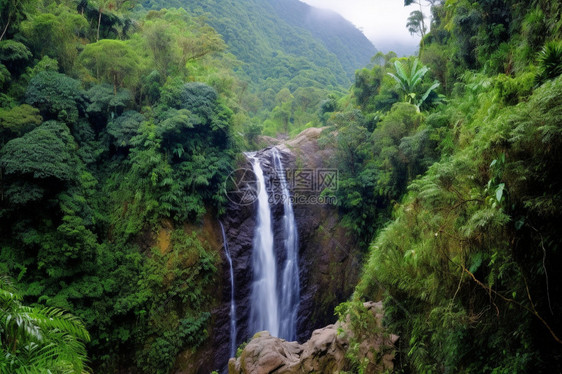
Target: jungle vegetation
[(453, 182), (119, 122)]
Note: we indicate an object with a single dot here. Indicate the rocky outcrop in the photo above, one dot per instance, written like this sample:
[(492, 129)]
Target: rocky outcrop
[(324, 352)]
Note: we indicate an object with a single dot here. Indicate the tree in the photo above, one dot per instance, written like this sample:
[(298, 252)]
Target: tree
[(41, 153), (204, 42), (12, 12), (367, 85), (55, 33), (103, 6), (159, 42), (57, 96), (416, 24), (198, 98), (383, 59), (416, 20), (283, 113), (283, 96), (106, 103), (125, 127), (19, 119), (113, 61), (14, 55), (174, 39), (38, 339)]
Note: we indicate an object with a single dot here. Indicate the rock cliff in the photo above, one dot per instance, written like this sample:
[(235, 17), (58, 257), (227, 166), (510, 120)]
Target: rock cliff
[(329, 266)]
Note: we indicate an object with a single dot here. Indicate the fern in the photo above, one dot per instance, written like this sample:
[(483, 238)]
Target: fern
[(40, 339)]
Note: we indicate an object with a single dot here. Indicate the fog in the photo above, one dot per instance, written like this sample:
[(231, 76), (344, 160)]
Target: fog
[(382, 21)]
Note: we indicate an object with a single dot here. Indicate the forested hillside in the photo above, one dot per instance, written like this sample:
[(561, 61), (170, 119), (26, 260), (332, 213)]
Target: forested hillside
[(113, 125), (352, 49), (120, 122), (460, 149), (272, 36), (291, 55)]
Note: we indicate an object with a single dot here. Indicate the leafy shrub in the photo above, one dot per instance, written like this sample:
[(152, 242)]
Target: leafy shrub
[(14, 55), (42, 153)]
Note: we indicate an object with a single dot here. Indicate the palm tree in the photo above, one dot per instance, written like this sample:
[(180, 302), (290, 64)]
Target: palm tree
[(38, 339), (409, 81)]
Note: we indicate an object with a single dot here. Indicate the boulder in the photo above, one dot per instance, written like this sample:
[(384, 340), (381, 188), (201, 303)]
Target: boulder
[(324, 352)]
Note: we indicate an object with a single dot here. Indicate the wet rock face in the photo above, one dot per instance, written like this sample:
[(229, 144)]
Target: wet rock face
[(324, 352), (329, 257), (328, 260), (239, 223)]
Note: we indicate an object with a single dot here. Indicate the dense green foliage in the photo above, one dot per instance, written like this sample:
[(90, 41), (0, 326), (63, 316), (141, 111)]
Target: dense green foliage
[(382, 140), (467, 265), (469, 260), (112, 152), (276, 36)]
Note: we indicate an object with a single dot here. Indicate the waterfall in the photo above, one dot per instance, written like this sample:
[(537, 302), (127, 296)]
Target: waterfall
[(264, 303), (274, 302), (232, 301), (290, 282)]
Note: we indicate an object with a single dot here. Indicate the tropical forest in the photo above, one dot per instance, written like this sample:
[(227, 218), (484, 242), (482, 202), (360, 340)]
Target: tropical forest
[(251, 186)]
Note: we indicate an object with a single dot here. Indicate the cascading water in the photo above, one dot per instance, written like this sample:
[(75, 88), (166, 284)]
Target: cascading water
[(232, 301), (274, 306), (264, 303), (290, 282)]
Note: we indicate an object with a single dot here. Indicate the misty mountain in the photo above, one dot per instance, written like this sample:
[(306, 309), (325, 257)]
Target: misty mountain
[(284, 43), (338, 35)]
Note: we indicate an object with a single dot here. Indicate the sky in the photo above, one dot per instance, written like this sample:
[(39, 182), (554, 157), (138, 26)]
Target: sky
[(382, 21)]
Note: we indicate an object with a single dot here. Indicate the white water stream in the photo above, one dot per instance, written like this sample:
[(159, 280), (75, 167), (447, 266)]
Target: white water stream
[(264, 301), (273, 306), (290, 283), (232, 300)]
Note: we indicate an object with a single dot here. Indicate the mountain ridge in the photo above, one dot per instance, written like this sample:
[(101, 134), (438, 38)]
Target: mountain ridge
[(285, 43), (353, 49)]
